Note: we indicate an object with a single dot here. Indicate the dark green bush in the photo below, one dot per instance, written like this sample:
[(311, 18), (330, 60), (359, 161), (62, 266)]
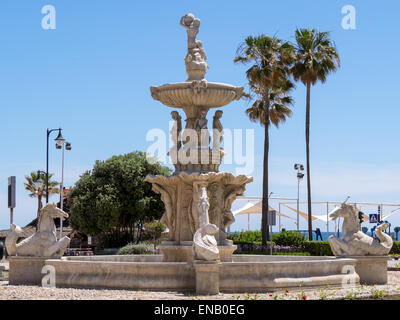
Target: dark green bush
[(317, 248), (114, 240), (246, 237), (395, 248), (289, 238), (291, 253), (139, 248)]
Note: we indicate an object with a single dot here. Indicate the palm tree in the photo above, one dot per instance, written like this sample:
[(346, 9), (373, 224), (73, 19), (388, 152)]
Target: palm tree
[(268, 80), (37, 191), (397, 230), (316, 58)]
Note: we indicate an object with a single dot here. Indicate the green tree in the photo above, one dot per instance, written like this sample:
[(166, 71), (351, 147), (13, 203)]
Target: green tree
[(154, 229), (397, 230), (39, 191), (316, 58), (268, 78), (113, 196)]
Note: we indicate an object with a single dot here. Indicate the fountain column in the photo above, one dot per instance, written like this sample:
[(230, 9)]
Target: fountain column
[(196, 163)]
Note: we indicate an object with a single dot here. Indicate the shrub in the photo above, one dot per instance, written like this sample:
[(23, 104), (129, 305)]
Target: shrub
[(291, 253), (317, 248), (140, 248), (154, 229), (396, 248), (105, 252), (289, 238), (114, 240), (246, 237)]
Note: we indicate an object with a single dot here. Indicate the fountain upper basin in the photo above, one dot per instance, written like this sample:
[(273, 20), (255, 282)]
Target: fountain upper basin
[(198, 93)]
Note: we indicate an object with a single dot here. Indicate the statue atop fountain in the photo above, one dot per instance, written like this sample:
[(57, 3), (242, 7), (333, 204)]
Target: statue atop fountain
[(195, 60), (196, 176)]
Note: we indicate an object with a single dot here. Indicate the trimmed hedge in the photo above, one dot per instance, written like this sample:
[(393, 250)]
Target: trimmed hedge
[(317, 248), (395, 248), (249, 242), (139, 248), (289, 238), (246, 237)]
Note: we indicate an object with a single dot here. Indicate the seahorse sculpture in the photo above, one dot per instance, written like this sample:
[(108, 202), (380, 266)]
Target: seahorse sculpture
[(44, 242), (204, 244), (355, 242)]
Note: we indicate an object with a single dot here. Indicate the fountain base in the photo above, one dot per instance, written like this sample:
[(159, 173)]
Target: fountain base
[(246, 273), (174, 252)]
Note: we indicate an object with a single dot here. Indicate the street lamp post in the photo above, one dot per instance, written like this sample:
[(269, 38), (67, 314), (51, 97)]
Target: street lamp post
[(59, 139), (299, 167), (59, 144), (62, 144)]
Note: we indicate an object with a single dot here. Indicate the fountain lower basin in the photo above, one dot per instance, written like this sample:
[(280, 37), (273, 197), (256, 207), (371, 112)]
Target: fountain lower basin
[(246, 273)]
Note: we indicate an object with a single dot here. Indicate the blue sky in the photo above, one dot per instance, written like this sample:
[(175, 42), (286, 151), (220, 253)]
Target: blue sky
[(91, 76)]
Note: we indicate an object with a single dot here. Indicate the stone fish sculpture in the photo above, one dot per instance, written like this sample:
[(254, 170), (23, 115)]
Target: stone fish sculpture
[(355, 242), (204, 244), (44, 242)]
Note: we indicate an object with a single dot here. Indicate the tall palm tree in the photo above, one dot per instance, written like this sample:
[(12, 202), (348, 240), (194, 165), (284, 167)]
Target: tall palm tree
[(40, 191), (268, 78), (316, 58)]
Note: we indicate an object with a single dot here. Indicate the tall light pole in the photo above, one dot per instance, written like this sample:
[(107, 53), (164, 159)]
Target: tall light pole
[(299, 167), (62, 144), (59, 139)]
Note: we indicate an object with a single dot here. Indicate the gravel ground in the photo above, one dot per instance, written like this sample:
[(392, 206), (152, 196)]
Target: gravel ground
[(389, 291)]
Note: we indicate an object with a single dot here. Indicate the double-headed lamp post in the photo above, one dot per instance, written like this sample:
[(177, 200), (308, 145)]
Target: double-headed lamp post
[(62, 144), (59, 139), (299, 167)]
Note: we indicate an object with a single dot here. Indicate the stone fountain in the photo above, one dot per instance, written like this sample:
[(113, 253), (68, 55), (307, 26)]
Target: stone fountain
[(198, 198), (196, 162)]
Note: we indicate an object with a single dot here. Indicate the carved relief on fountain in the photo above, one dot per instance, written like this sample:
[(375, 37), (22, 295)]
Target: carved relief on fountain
[(181, 193)]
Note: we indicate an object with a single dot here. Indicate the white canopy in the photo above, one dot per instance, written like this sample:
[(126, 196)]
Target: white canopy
[(321, 217), (390, 213), (251, 208)]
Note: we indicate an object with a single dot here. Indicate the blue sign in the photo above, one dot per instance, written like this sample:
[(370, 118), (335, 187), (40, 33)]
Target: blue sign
[(373, 218)]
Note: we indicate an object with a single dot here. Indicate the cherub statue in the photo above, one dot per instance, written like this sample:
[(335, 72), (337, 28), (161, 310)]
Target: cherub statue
[(176, 129), (217, 130), (201, 122), (195, 60), (191, 24), (200, 125), (203, 55)]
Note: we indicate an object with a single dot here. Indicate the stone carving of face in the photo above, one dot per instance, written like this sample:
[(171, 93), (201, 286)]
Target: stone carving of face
[(218, 114), (174, 115)]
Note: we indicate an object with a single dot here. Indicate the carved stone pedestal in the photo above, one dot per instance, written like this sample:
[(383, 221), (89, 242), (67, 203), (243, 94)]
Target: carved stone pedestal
[(26, 270), (173, 252), (207, 277), (180, 194), (371, 269)]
